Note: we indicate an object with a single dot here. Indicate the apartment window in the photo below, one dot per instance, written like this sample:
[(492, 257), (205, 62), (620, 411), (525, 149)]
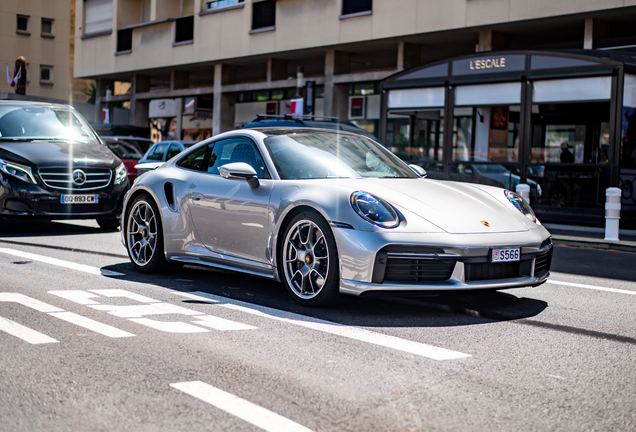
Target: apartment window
[(220, 3), (184, 29), (23, 24), (46, 74), (124, 40), (47, 27), (356, 6), (263, 14), (98, 16)]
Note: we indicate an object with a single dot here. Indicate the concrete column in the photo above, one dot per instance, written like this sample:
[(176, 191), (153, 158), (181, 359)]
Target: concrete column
[(139, 109), (98, 101), (276, 69), (218, 96), (409, 55), (594, 29), (179, 130), (490, 40), (330, 61)]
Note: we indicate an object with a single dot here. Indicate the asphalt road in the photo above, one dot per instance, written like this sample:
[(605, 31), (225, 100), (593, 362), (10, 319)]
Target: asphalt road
[(89, 344)]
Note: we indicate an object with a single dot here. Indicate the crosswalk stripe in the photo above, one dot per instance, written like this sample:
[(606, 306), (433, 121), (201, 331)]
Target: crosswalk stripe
[(60, 263), (26, 334), (221, 324), (380, 339), (89, 324), (245, 410)]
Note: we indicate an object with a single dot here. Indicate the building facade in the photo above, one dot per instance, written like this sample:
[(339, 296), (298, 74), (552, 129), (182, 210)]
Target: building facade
[(210, 66)]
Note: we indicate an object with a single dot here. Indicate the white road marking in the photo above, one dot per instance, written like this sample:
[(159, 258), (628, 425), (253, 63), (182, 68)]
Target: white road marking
[(221, 324), (89, 324), (77, 296), (26, 334), (60, 263), (169, 326), (28, 302), (247, 411), (125, 294), (355, 333), (138, 311), (594, 287)]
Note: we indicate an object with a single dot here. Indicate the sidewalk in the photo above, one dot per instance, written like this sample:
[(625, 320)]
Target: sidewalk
[(591, 237)]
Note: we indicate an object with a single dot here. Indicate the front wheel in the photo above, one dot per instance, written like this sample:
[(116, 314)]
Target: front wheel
[(308, 261), (144, 235)]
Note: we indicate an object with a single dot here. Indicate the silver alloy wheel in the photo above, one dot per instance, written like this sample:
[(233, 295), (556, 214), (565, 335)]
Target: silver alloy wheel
[(306, 256), (142, 233)]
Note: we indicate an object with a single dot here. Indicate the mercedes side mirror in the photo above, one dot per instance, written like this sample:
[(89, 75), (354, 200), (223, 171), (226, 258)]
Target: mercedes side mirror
[(240, 171)]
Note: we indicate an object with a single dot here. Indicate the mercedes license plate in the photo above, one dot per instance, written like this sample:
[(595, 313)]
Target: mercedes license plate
[(80, 199), (506, 255)]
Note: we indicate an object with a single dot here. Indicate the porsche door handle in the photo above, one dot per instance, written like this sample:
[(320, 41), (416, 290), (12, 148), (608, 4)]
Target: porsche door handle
[(197, 196)]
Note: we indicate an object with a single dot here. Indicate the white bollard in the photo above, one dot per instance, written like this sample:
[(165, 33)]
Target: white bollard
[(523, 190), (612, 213)]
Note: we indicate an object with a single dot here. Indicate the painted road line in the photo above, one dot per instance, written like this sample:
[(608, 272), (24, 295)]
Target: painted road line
[(92, 325), (28, 302), (60, 263), (594, 287), (221, 324), (247, 411), (24, 333), (417, 348)]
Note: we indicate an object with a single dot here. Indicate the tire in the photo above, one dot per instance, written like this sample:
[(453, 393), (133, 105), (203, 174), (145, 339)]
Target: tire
[(108, 223), (144, 236), (308, 261)]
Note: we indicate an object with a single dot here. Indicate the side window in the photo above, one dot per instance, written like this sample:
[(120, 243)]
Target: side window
[(237, 150), (198, 160), (173, 151), (157, 153)]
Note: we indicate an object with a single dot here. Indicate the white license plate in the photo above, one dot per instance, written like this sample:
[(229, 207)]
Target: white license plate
[(79, 199), (506, 255)]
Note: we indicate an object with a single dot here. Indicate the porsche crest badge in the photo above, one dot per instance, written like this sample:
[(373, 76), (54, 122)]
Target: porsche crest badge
[(484, 223)]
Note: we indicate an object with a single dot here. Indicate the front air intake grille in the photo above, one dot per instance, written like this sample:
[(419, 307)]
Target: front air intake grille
[(490, 271), (62, 178), (542, 262), (418, 270), (75, 209)]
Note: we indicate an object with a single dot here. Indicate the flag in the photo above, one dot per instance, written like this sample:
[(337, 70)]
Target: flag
[(13, 81)]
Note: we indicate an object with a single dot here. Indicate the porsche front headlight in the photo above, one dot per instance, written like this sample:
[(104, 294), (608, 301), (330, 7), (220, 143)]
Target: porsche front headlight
[(120, 174), (374, 210), (521, 205), (18, 171)]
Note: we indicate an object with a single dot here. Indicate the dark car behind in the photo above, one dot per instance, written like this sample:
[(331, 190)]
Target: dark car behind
[(54, 166)]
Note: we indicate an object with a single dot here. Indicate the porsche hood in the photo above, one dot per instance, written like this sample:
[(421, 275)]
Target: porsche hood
[(457, 208)]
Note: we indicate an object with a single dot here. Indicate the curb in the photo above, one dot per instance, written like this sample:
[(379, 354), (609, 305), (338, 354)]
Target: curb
[(585, 242)]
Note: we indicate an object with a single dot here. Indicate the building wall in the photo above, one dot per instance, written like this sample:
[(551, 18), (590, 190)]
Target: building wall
[(36, 49), (302, 24)]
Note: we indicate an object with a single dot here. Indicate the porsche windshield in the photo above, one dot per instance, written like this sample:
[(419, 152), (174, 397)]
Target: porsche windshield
[(30, 123), (311, 154)]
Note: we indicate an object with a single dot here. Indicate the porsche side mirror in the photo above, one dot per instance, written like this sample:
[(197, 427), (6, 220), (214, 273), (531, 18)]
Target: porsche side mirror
[(418, 170), (240, 171)]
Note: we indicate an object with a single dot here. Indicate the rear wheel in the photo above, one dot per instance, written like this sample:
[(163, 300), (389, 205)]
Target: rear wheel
[(144, 236), (308, 261)]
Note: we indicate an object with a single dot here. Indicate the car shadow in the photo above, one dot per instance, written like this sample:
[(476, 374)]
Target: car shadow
[(43, 228), (458, 309)]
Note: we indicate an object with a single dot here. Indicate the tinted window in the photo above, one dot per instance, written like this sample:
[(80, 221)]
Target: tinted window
[(237, 150), (157, 153), (174, 150), (198, 160)]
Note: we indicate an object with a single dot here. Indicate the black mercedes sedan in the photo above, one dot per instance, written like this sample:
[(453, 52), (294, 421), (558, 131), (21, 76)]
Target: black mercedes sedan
[(54, 166)]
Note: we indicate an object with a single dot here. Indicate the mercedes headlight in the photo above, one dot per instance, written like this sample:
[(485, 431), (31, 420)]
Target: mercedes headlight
[(120, 174), (18, 171), (521, 205), (374, 210)]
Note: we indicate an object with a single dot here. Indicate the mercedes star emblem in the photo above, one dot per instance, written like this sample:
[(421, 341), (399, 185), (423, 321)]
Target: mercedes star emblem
[(79, 177)]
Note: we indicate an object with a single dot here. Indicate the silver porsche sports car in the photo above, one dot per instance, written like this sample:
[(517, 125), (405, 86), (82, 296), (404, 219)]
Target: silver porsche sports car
[(328, 213)]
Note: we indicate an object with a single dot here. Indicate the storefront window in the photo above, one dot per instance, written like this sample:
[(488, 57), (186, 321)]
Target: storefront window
[(425, 146), (569, 186), (627, 161), (486, 123)]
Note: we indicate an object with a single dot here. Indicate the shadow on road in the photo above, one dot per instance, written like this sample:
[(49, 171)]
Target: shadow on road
[(440, 311), (44, 228), (594, 262)]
